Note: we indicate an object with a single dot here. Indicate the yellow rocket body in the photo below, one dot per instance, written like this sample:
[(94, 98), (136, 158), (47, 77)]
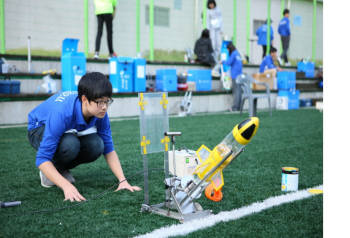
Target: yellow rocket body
[(241, 135)]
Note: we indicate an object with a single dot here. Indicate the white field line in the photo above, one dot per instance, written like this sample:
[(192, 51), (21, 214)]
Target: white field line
[(235, 214)]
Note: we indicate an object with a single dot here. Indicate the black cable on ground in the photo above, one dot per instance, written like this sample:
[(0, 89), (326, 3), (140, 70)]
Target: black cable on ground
[(102, 194)]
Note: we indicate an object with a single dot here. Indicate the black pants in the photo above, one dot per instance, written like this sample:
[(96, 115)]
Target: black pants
[(264, 50), (108, 19), (72, 150), (285, 46)]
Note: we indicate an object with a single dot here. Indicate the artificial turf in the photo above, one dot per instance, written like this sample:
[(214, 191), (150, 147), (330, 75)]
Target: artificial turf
[(288, 138)]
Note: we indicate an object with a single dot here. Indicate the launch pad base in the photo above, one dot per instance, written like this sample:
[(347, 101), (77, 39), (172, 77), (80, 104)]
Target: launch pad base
[(162, 210)]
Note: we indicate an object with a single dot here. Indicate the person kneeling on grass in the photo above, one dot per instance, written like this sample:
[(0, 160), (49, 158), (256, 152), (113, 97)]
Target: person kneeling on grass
[(70, 129)]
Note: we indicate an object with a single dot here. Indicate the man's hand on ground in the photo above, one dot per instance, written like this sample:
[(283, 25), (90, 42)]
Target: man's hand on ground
[(126, 185), (72, 194)]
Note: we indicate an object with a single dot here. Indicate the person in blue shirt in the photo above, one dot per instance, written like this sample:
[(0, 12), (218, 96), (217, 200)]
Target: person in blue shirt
[(235, 63), (268, 61), (284, 31), (261, 32), (72, 128)]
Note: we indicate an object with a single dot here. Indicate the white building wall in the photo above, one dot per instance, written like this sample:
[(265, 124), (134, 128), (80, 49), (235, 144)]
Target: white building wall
[(48, 22), (301, 39)]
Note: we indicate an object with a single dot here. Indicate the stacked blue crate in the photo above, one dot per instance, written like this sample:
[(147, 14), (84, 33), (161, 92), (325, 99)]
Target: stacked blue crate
[(73, 64), (286, 80), (166, 80), (293, 99), (139, 75), (121, 74), (202, 78), (286, 83)]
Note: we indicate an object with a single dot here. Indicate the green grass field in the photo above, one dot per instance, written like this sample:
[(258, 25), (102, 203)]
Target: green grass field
[(288, 138)]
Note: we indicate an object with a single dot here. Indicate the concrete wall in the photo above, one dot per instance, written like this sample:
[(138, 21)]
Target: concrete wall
[(16, 112), (48, 22)]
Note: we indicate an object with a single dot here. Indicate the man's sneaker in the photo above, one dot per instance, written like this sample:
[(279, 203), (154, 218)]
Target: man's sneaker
[(96, 56), (67, 175), (45, 182), (279, 61)]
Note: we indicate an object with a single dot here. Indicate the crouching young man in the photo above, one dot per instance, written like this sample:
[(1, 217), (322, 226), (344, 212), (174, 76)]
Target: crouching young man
[(70, 129)]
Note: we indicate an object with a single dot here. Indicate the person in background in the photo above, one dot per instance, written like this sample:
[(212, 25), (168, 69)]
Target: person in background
[(261, 32), (214, 24), (284, 31), (73, 128), (235, 63), (268, 61), (204, 50), (105, 12)]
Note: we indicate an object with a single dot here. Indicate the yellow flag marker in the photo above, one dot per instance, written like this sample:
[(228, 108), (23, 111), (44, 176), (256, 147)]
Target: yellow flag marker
[(144, 143), (142, 103), (166, 140), (164, 101)]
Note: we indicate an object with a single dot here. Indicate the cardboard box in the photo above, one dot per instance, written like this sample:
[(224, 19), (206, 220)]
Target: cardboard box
[(269, 77)]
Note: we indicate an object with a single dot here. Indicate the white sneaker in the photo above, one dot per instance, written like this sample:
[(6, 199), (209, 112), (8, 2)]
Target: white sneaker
[(96, 56), (287, 64), (46, 183), (279, 61)]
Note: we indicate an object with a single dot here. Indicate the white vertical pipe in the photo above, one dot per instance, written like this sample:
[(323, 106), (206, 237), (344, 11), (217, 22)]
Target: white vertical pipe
[(29, 56)]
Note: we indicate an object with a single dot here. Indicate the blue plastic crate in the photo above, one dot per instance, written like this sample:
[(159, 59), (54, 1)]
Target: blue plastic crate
[(73, 65), (10, 87), (286, 80), (293, 99), (301, 66), (310, 70), (202, 78), (307, 67), (166, 80), (283, 93), (139, 75), (121, 74)]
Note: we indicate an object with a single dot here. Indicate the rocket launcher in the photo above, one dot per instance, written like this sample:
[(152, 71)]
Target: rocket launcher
[(212, 162)]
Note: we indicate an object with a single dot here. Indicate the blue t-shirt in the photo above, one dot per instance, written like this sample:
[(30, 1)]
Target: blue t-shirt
[(235, 62), (284, 27), (261, 32), (60, 113), (267, 63)]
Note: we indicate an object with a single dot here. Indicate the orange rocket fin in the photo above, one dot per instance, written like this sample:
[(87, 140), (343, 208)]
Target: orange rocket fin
[(212, 194)]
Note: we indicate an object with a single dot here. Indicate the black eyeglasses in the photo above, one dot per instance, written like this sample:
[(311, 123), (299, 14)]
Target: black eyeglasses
[(101, 103)]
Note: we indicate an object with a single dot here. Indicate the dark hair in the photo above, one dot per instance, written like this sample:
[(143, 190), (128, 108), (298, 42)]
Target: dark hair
[(231, 47), (273, 50), (94, 85), (285, 11), (211, 1), (205, 34)]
